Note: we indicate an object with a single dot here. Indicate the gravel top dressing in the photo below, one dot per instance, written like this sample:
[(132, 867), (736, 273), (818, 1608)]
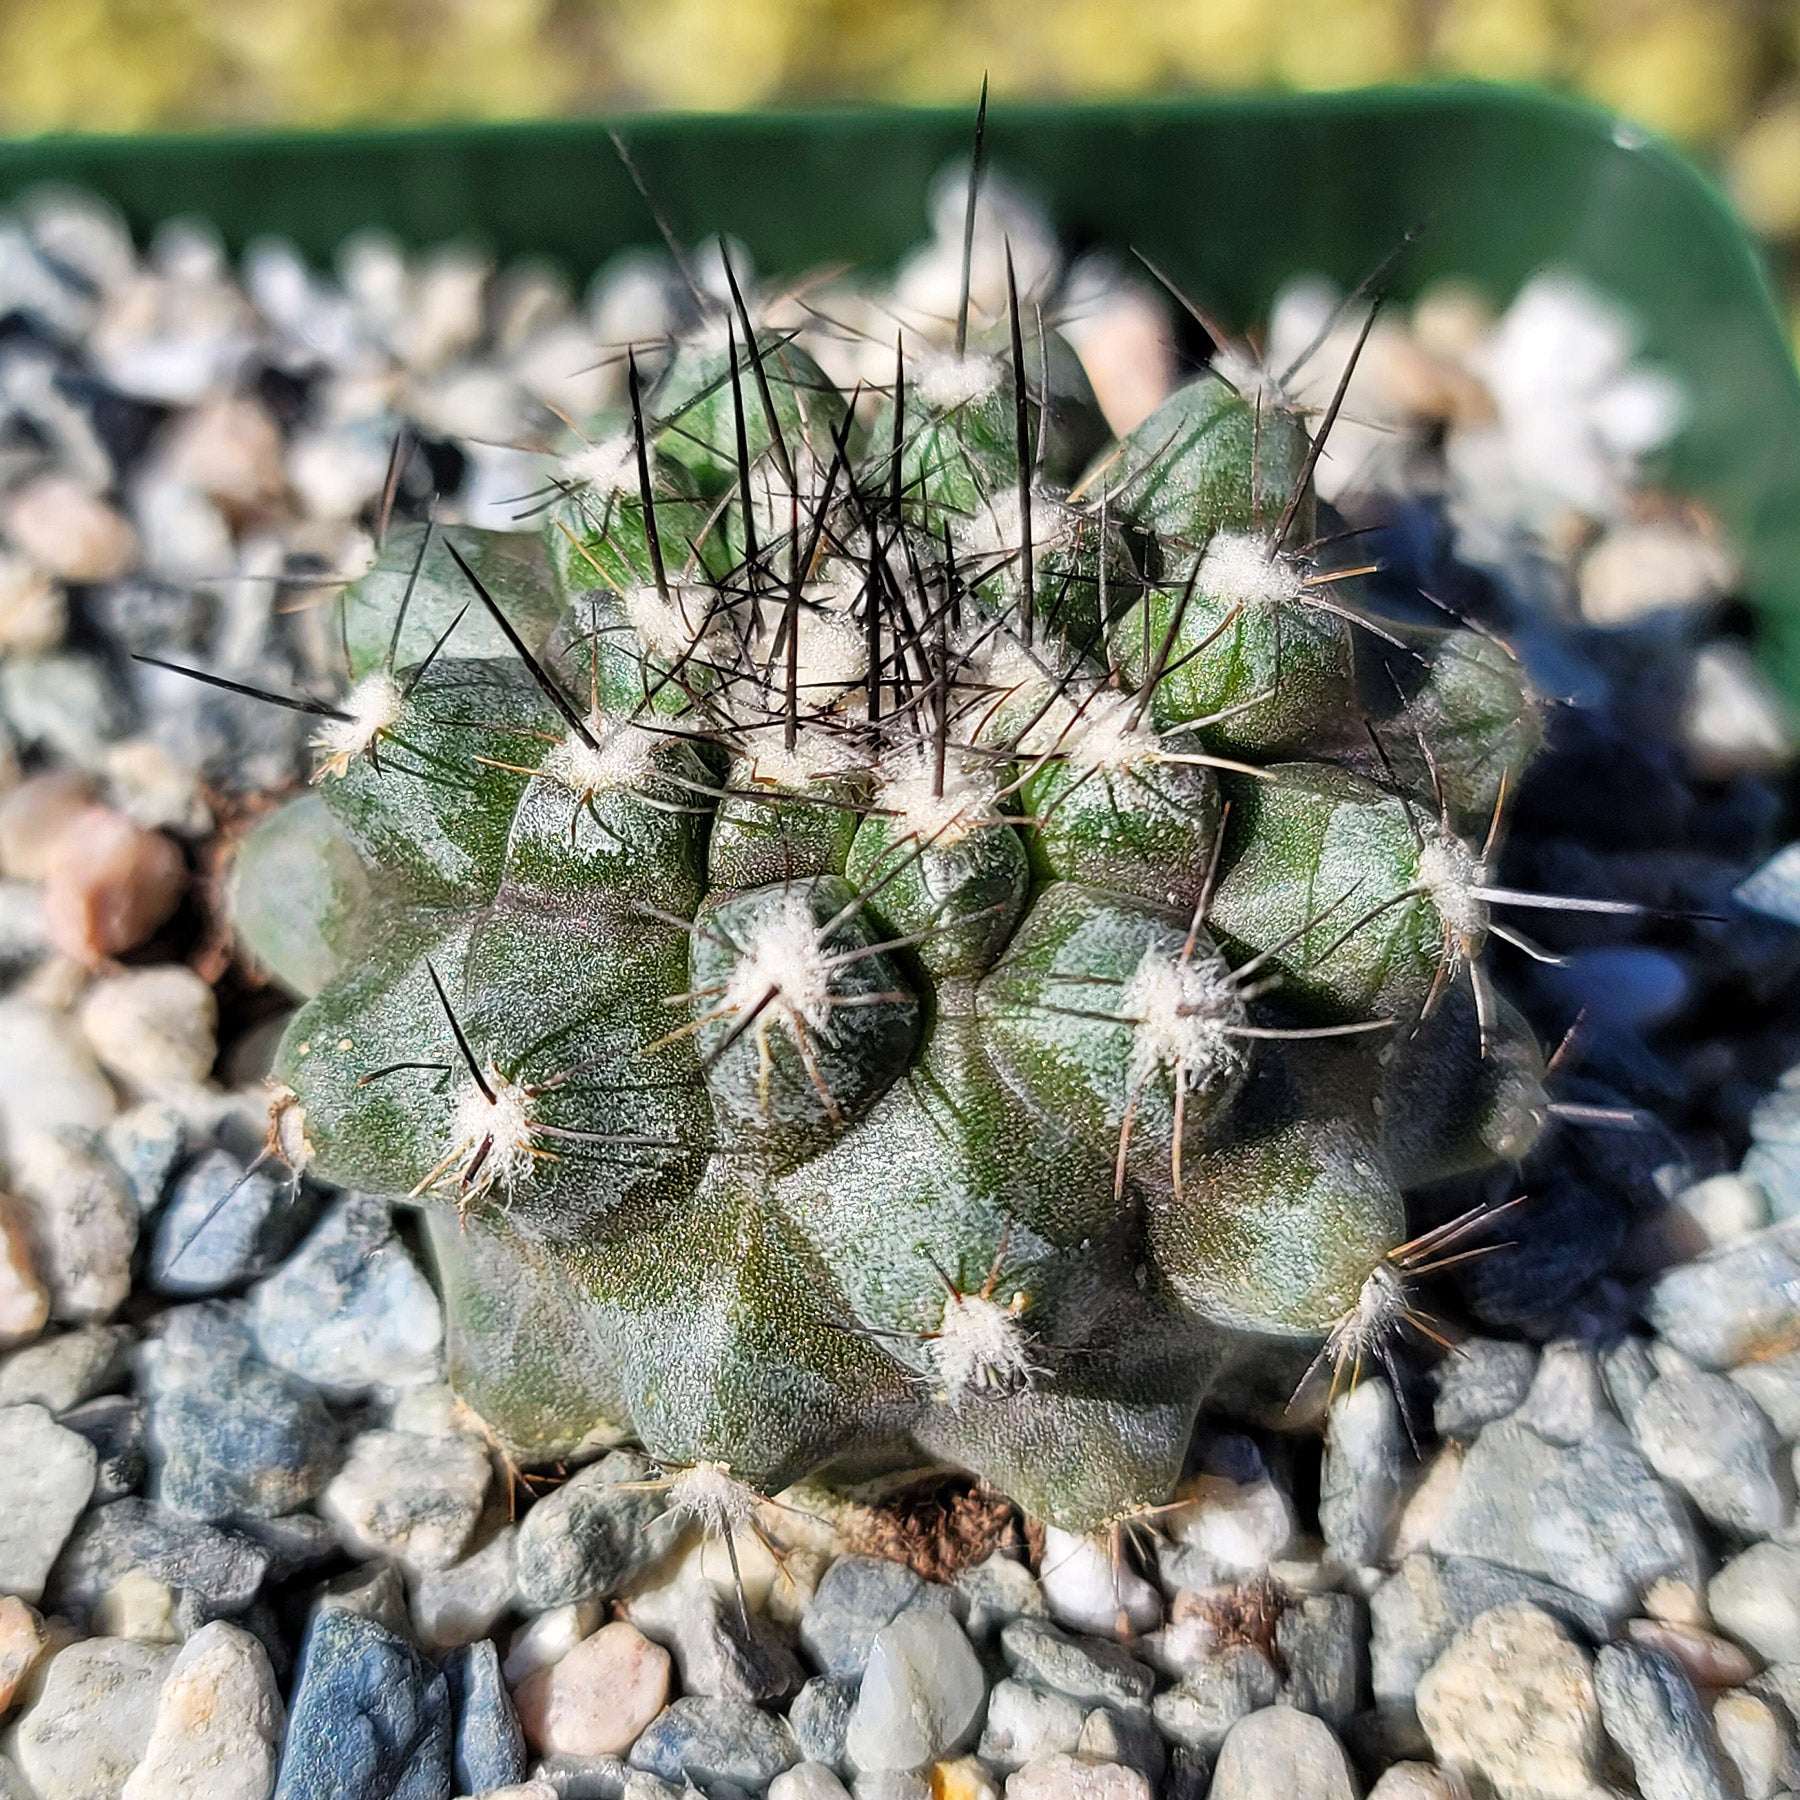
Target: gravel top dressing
[(1067, 1318)]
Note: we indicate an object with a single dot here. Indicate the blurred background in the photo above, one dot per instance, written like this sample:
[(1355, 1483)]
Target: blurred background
[(1721, 76)]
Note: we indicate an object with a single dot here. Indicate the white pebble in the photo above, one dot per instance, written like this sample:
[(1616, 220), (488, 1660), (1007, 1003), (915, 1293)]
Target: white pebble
[(218, 1725)]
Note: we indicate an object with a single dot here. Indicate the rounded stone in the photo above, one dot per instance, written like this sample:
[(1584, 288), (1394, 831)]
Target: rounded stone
[(46, 1476), (1281, 1751), (218, 1723), (1064, 1777), (91, 1722), (407, 1496), (597, 1699), (921, 1694), (1756, 1598)]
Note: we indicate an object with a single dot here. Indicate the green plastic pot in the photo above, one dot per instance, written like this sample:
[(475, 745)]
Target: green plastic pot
[(1230, 196)]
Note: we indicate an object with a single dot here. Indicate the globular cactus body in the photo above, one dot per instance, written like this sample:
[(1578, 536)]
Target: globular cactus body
[(870, 955)]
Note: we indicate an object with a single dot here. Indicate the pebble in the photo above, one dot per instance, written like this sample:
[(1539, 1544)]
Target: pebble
[(24, 1299), (858, 1596), (69, 705), (146, 1142), (807, 1781), (1425, 1504), (1088, 1588), (1023, 1723), (1417, 1781), (717, 1649), (34, 817), (1735, 1305), (1321, 1642), (1281, 1751), (22, 1642), (230, 450), (996, 1592), (224, 1225), (1063, 1777), (212, 1573), (1651, 1711), (1710, 1661), (1512, 1701), (411, 1497), (820, 1720), (1481, 1380), (218, 1723), (583, 1539), (1628, 1371), (1568, 1402), (596, 1700), (234, 1438), (84, 1221), (1712, 1441), (462, 1603), (1227, 1529), (46, 1476), (89, 1726), (1756, 1743), (488, 1744), (547, 1636), (49, 1081), (1131, 1738), (714, 1742), (1756, 1598), (152, 1028), (34, 610), (110, 884), (921, 1693), (1092, 1670), (1359, 1483), (1775, 1387), (1214, 1695), (1590, 1517), (371, 1717), (67, 530), (1724, 1207), (350, 1310)]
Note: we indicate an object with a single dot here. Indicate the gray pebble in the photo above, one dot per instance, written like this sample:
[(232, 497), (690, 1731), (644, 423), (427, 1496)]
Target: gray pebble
[(1360, 1480), (715, 1742), (718, 1652), (114, 1425), (60, 1372), (46, 1476), (1775, 1387), (595, 1778), (996, 1592), (413, 1497), (1588, 1517), (1734, 1304), (146, 1143), (1481, 1380), (1281, 1751), (1651, 1711), (224, 1225), (89, 1726), (1321, 1643), (1131, 1738), (65, 702), (1024, 1723), (1629, 1372), (487, 1746), (1087, 1669), (370, 1718), (856, 1598), (1213, 1695), (581, 1541), (1568, 1402), (462, 1603), (921, 1693), (350, 1310), (820, 1720), (1756, 1599), (213, 1573), (1712, 1441)]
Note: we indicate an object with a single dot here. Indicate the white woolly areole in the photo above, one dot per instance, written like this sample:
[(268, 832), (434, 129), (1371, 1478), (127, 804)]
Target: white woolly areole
[(1238, 569), (374, 705), (1109, 735), (997, 528), (981, 1348), (626, 755), (944, 380), (1449, 872), (710, 1496), (1381, 1304), (669, 628), (816, 756), (1184, 1011), (782, 953), (965, 805), (503, 1123), (608, 467)]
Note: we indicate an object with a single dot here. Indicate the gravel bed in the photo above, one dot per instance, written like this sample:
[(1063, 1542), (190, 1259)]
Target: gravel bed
[(251, 1544)]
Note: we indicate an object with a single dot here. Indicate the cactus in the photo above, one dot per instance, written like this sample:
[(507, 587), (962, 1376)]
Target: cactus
[(884, 935)]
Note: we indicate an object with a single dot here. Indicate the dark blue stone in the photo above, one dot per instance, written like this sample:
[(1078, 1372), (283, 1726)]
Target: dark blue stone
[(224, 1225), (370, 1718), (489, 1747)]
